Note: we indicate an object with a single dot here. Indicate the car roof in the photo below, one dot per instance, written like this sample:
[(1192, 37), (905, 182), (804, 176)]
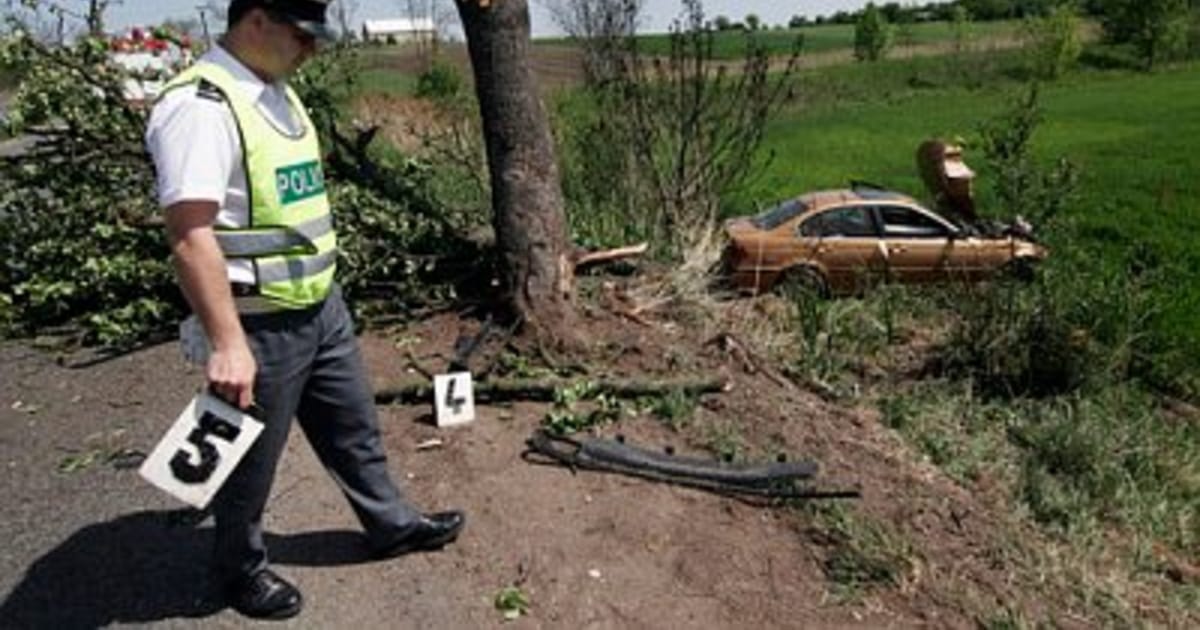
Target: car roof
[(826, 198), (820, 200)]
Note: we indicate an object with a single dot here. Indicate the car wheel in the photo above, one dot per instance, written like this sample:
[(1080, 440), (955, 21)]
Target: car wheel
[(800, 282), (1019, 269)]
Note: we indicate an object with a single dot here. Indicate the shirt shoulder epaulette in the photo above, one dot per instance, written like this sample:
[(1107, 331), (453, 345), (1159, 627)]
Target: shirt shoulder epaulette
[(208, 90)]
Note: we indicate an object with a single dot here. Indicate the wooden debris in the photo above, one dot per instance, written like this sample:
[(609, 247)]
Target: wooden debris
[(609, 255), (430, 444), (415, 364), (750, 363)]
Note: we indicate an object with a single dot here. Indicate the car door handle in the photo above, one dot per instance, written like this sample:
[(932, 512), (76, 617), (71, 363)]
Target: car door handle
[(898, 249)]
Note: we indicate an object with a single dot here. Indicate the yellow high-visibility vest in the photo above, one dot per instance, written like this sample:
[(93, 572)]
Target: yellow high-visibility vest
[(289, 237)]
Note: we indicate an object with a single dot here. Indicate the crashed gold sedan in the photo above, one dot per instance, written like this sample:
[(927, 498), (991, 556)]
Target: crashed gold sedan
[(838, 242)]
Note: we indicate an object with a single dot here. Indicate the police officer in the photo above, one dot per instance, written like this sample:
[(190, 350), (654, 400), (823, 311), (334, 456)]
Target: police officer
[(249, 225)]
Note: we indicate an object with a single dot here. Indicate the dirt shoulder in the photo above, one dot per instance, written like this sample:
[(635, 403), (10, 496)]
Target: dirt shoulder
[(90, 545)]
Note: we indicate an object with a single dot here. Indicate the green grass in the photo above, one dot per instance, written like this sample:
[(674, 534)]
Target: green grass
[(817, 39), (1103, 470), (862, 552), (387, 81), (375, 56)]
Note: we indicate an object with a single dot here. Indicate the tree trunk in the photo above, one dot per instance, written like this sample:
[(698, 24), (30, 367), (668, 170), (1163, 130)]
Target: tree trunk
[(527, 205)]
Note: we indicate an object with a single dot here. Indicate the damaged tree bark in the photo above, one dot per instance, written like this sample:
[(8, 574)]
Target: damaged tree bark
[(531, 231)]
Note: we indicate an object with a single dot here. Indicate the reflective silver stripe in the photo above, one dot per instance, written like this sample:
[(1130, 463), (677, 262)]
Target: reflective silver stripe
[(255, 304), (241, 243), (294, 267)]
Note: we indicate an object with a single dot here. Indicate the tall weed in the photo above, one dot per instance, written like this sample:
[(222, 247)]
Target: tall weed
[(1023, 187), (656, 144), (1080, 324)]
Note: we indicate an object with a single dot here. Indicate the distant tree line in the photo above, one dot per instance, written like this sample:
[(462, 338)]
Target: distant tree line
[(979, 11)]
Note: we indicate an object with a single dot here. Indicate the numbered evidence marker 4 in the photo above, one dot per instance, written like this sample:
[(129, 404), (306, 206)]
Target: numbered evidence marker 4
[(453, 398), (200, 450)]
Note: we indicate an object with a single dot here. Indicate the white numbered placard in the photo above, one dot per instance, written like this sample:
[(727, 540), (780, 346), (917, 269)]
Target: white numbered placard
[(453, 398), (199, 451)]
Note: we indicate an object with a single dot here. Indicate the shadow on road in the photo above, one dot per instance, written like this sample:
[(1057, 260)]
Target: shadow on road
[(137, 568), (145, 567), (317, 549)]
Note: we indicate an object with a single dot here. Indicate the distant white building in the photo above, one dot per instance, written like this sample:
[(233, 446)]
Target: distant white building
[(399, 30)]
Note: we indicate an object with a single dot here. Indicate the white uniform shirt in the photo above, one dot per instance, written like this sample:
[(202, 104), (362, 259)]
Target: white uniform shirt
[(197, 151)]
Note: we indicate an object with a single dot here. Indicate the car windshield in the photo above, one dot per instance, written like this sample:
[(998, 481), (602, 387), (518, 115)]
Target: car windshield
[(773, 218)]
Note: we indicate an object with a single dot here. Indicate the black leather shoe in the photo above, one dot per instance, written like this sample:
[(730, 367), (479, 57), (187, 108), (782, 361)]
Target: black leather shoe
[(431, 531), (264, 595)]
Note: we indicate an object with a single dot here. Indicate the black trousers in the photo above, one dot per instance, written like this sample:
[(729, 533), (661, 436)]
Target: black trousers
[(310, 368)]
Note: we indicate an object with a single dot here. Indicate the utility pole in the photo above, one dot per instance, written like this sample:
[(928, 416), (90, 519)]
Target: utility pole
[(95, 17), (203, 10)]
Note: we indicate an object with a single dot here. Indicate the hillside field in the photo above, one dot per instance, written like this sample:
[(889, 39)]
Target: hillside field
[(821, 38)]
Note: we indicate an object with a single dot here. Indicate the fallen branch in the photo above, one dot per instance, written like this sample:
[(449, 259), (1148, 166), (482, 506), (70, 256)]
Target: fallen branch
[(609, 255), (750, 363), (543, 390)]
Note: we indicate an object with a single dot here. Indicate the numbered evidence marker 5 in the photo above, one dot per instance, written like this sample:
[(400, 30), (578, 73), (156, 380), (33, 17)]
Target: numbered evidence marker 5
[(200, 450), (453, 398)]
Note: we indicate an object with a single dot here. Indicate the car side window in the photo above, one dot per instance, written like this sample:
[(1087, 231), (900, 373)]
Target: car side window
[(899, 221), (851, 221)]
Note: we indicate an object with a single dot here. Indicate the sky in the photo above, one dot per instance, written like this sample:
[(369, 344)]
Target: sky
[(657, 14)]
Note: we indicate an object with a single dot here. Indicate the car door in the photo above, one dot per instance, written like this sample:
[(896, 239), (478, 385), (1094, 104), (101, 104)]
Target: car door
[(921, 247), (844, 242)]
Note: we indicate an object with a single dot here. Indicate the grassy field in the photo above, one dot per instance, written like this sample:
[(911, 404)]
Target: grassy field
[(817, 39), (1130, 134), (387, 81)]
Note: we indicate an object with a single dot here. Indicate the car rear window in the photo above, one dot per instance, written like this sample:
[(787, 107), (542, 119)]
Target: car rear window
[(780, 214)]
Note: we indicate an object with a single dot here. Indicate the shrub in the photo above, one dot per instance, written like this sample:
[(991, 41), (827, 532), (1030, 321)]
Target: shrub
[(1157, 29), (1053, 43), (441, 81), (650, 153), (75, 212), (872, 35), (1080, 325), (1086, 321), (960, 27), (1022, 186), (82, 247)]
